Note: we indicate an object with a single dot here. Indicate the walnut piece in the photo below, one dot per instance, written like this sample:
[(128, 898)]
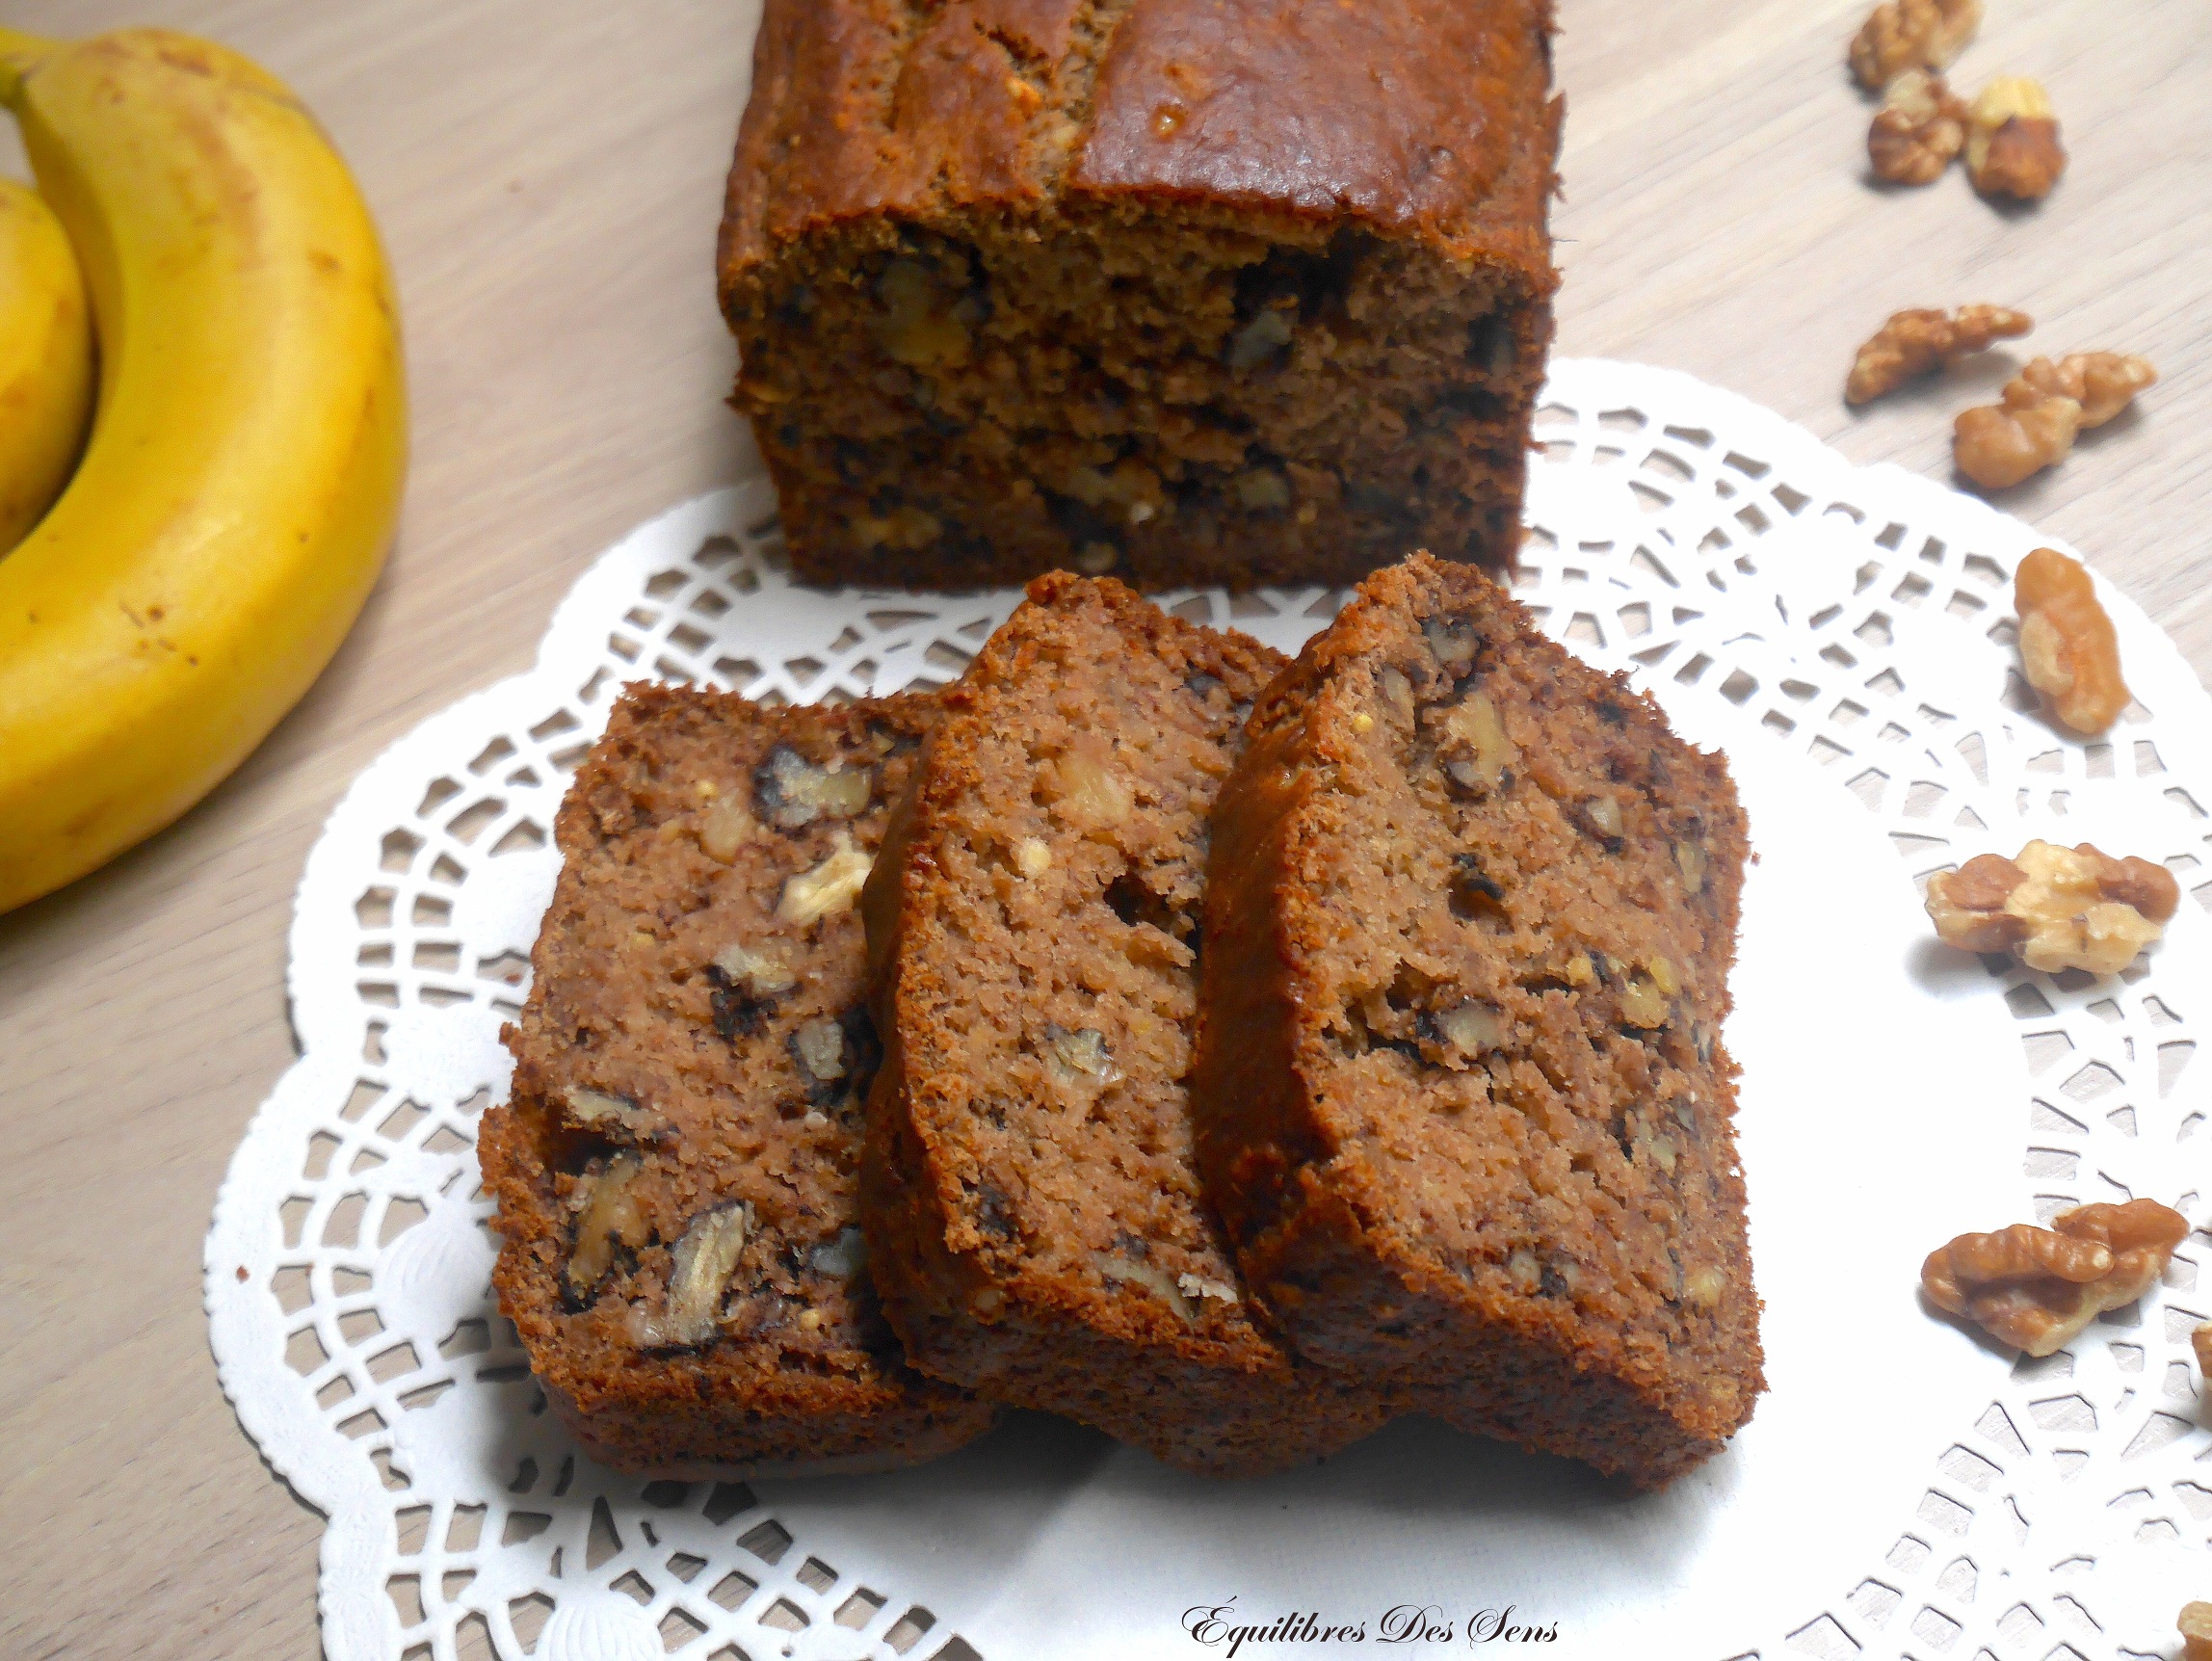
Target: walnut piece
[(2013, 146), (1269, 332), (1476, 751), (820, 1046), (1198, 1286), (2069, 649), (1919, 129), (1905, 35), (2037, 1288), (1997, 445), (608, 1216), (698, 1272), (764, 973), (1079, 1056), (2200, 1341), (1701, 1288), (842, 1257), (1123, 1271), (1693, 861), (2195, 1624), (1452, 644), (1086, 788), (1914, 343), (2055, 907), (827, 889), (2044, 407), (926, 314), (609, 1114), (725, 828), (2102, 382), (793, 792), (1471, 1027)]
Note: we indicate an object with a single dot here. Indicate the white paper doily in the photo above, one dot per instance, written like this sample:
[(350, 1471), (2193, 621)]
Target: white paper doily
[(1905, 1489)]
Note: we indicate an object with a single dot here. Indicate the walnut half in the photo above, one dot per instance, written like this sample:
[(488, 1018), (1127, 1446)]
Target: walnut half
[(1920, 129), (1904, 35), (2069, 649), (2037, 1288), (2043, 407), (2055, 907), (1999, 445), (2102, 382), (2195, 1624), (1916, 342), (2013, 146)]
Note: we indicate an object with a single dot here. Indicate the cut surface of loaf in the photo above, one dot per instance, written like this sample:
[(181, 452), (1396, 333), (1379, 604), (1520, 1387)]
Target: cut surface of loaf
[(1029, 1190), (1187, 291), (676, 1164), (1460, 1096)]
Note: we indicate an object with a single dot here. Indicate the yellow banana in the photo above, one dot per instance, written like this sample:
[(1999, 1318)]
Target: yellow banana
[(45, 359), (249, 444)]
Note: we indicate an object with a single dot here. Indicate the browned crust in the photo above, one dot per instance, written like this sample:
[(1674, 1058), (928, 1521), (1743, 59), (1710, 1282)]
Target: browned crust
[(1225, 1401), (848, 1402), (1335, 1249), (1428, 118)]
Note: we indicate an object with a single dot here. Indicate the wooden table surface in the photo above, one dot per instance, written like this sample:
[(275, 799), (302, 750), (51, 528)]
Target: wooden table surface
[(548, 173)]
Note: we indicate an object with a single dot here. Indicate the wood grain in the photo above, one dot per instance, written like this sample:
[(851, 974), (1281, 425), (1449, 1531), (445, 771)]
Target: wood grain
[(548, 176)]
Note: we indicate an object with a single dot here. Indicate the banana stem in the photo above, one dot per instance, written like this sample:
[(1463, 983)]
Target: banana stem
[(19, 55)]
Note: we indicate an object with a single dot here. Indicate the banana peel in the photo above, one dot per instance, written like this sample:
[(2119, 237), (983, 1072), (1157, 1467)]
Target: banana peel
[(243, 476), (46, 374)]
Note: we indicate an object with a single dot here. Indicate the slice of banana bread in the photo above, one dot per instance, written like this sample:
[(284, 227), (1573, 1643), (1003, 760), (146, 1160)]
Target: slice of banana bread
[(1032, 1206), (1187, 291), (1461, 1101), (675, 1165)]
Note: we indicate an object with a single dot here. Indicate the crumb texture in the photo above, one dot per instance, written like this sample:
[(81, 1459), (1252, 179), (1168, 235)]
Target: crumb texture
[(1185, 291), (1461, 1099), (1030, 1191), (677, 1166)]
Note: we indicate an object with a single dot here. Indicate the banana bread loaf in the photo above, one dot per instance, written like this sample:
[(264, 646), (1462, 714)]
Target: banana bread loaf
[(1188, 291), (675, 1165), (1461, 1103), (1031, 1207)]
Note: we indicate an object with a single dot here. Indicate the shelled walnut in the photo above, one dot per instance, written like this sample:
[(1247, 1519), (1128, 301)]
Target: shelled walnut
[(1921, 340), (2037, 1288), (2102, 382), (1918, 131), (2196, 1628), (2069, 649), (1998, 445), (2055, 907), (2043, 409), (2013, 146), (2200, 1341), (1904, 35)]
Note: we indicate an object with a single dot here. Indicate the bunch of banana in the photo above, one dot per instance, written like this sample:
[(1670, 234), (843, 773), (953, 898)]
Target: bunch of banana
[(242, 478), (45, 359)]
